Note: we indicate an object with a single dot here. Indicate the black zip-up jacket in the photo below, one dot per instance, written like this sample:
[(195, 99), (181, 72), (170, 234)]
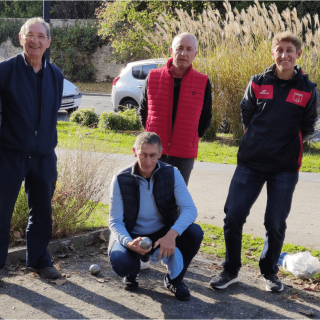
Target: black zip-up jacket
[(279, 117), (21, 130)]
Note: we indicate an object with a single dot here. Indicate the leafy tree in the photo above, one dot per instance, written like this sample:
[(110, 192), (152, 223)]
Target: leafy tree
[(20, 9), (120, 22), (58, 9), (73, 9), (72, 48)]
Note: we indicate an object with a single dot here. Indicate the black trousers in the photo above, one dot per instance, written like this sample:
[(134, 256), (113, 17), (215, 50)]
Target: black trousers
[(184, 165), (40, 175)]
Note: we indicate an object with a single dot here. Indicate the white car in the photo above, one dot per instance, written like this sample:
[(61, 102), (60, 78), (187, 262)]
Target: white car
[(71, 97), (126, 88)]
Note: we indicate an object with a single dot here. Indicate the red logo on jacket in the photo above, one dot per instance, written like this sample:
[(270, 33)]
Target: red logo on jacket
[(300, 98), (263, 92)]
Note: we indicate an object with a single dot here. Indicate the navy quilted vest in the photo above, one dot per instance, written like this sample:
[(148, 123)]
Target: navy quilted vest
[(163, 192)]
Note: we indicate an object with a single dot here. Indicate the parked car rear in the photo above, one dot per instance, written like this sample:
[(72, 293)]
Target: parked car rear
[(71, 97), (126, 88)]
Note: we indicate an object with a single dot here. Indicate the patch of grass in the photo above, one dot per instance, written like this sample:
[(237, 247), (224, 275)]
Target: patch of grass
[(70, 136), (213, 243), (96, 87), (222, 150), (98, 218)]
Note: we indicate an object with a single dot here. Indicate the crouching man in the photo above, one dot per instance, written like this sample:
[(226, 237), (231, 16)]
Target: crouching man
[(150, 199)]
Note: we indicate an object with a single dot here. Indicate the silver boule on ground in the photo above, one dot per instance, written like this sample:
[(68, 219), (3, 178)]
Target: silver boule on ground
[(94, 269)]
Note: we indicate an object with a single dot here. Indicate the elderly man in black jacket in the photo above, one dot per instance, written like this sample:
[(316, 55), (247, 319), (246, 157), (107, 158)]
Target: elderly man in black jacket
[(30, 96)]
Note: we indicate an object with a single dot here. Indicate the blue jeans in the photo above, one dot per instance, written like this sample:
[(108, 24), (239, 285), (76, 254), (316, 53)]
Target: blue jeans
[(127, 262), (244, 190)]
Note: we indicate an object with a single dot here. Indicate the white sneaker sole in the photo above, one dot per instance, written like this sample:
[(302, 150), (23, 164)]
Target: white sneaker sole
[(227, 284), (269, 290)]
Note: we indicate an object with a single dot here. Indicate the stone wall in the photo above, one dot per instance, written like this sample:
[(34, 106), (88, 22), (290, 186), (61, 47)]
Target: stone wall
[(106, 70)]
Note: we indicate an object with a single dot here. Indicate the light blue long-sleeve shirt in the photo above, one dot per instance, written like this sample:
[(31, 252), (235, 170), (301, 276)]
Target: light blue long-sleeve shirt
[(149, 218)]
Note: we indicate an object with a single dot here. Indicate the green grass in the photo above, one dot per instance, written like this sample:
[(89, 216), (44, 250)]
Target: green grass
[(71, 136), (213, 243), (223, 150), (98, 218)]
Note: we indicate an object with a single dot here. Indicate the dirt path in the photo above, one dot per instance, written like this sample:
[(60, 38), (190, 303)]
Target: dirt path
[(26, 295)]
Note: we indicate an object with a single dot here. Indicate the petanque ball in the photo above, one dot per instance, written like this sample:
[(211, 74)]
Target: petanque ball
[(145, 243), (94, 269)]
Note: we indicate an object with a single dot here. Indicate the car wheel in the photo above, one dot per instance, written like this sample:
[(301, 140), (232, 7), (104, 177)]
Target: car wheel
[(69, 111), (128, 104)]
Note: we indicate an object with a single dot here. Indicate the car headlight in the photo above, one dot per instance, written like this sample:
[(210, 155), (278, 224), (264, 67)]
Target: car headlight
[(76, 91)]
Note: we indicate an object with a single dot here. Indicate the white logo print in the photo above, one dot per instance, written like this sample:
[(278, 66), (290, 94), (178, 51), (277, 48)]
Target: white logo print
[(297, 97), (264, 92)]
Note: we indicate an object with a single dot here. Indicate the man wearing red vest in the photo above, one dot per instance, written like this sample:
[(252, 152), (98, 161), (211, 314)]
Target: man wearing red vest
[(176, 103)]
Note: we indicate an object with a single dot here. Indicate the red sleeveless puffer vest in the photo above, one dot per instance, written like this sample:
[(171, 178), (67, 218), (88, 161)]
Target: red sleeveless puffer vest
[(182, 142)]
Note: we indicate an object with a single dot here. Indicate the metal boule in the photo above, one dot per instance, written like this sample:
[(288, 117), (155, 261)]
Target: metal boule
[(94, 269), (145, 243)]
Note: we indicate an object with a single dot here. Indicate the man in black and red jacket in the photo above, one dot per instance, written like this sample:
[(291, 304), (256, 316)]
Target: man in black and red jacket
[(279, 111)]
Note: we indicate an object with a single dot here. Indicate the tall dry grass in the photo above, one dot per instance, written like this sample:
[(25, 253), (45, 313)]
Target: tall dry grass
[(233, 47)]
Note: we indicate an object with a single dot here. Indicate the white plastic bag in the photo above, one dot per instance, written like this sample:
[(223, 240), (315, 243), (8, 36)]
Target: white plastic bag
[(301, 265)]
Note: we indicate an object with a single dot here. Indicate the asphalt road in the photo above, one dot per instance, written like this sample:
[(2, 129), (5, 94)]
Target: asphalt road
[(101, 103)]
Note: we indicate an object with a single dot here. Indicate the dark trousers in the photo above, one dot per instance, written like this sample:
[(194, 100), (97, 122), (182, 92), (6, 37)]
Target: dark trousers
[(185, 166), (40, 175), (244, 190), (127, 262)]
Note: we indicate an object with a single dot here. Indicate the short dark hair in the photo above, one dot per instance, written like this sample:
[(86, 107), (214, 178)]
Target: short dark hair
[(149, 138), (286, 36)]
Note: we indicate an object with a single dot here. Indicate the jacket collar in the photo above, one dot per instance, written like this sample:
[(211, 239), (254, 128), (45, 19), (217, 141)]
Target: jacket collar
[(135, 170), (299, 73), (169, 64), (26, 63)]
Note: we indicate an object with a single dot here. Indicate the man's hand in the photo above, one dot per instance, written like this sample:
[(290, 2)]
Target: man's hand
[(244, 131), (167, 244), (134, 246)]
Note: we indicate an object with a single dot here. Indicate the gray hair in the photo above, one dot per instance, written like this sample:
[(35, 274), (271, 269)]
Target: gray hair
[(148, 138), (24, 29), (182, 35)]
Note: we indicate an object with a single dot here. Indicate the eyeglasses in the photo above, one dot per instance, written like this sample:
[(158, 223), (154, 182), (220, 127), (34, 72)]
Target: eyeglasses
[(153, 156), (32, 36)]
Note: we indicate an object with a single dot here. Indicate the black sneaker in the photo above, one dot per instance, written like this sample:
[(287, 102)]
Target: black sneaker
[(131, 282), (180, 290), (223, 280), (273, 284)]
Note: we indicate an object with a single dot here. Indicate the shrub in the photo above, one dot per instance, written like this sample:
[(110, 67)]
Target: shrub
[(72, 48), (85, 117), (126, 120)]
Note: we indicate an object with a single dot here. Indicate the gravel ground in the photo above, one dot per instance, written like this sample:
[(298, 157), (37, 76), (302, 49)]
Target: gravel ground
[(25, 295)]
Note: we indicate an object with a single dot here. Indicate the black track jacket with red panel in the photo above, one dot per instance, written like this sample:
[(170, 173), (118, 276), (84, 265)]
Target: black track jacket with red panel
[(278, 118)]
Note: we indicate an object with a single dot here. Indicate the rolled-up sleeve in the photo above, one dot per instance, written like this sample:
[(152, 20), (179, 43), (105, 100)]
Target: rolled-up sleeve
[(188, 210), (116, 223)]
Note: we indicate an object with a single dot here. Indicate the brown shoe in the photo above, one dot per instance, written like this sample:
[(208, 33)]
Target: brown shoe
[(48, 272)]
